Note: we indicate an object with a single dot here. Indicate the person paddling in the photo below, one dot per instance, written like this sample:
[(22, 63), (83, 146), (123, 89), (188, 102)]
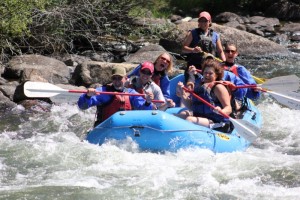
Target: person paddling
[(231, 52), (212, 91), (107, 105)]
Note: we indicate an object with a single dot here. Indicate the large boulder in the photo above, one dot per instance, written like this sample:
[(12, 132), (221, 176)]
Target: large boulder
[(248, 44), (146, 53), (37, 68), (92, 72)]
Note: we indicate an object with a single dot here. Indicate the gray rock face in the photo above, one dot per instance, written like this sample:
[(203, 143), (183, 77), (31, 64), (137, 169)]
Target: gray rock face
[(248, 44), (37, 68)]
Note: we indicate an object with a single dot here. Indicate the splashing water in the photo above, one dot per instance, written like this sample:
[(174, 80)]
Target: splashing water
[(43, 156)]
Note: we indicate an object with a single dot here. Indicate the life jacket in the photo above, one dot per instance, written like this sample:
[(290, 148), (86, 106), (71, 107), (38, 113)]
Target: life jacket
[(236, 105), (232, 69), (207, 44), (115, 104), (202, 110), (157, 76)]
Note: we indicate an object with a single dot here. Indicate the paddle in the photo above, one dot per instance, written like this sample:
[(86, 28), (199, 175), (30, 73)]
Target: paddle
[(283, 83), (48, 90), (247, 130), (283, 98)]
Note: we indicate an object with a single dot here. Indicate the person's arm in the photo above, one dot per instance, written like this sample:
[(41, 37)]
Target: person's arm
[(186, 43), (158, 95), (134, 72), (223, 95), (246, 77), (220, 49), (90, 99), (165, 86), (138, 102), (238, 93), (184, 96)]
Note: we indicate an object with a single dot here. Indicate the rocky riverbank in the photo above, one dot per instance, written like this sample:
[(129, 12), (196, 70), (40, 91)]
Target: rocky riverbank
[(256, 36)]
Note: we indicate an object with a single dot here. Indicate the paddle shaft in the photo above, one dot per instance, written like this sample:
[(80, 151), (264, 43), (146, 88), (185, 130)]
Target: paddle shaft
[(205, 102), (246, 129), (85, 91)]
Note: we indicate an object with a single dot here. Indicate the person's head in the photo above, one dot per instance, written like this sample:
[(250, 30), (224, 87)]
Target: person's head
[(146, 71), (118, 77), (204, 20), (164, 62), (212, 70), (230, 51)]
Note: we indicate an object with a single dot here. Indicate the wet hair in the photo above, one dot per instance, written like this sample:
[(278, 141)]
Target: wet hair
[(170, 66), (216, 66)]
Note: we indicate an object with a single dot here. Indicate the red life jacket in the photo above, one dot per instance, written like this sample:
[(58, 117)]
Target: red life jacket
[(117, 103), (156, 79), (232, 69)]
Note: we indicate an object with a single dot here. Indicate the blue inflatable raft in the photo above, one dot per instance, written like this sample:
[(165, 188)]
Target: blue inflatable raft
[(159, 131)]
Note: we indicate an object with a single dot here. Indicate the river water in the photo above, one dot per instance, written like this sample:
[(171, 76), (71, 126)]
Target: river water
[(43, 156)]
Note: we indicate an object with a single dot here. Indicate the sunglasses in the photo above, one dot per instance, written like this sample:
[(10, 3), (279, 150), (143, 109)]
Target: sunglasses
[(165, 59), (117, 78), (229, 51), (202, 20), (146, 72)]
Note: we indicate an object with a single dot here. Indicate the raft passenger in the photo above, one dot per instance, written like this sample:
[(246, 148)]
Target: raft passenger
[(240, 71), (107, 105), (144, 83), (163, 65), (212, 91)]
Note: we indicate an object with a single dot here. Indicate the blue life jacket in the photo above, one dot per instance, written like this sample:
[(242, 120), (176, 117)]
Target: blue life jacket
[(208, 44), (200, 109)]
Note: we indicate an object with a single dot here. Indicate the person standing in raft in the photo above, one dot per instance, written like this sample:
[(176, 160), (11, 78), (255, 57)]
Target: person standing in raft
[(200, 41), (213, 92), (144, 83), (107, 105)]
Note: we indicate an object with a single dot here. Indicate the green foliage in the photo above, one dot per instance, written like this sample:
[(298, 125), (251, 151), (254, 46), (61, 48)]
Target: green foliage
[(15, 16)]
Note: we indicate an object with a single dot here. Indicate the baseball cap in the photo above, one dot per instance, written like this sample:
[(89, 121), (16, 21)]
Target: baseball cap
[(206, 15), (118, 71), (148, 65)]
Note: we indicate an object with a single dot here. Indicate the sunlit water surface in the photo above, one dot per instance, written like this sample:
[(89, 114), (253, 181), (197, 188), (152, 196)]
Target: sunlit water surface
[(43, 156)]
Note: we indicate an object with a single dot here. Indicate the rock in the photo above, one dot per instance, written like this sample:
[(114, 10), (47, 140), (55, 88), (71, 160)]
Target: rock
[(9, 89), (6, 103), (269, 22), (236, 24), (175, 18), (37, 68), (149, 53), (248, 44), (226, 17), (92, 72), (290, 27), (256, 19), (295, 36)]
